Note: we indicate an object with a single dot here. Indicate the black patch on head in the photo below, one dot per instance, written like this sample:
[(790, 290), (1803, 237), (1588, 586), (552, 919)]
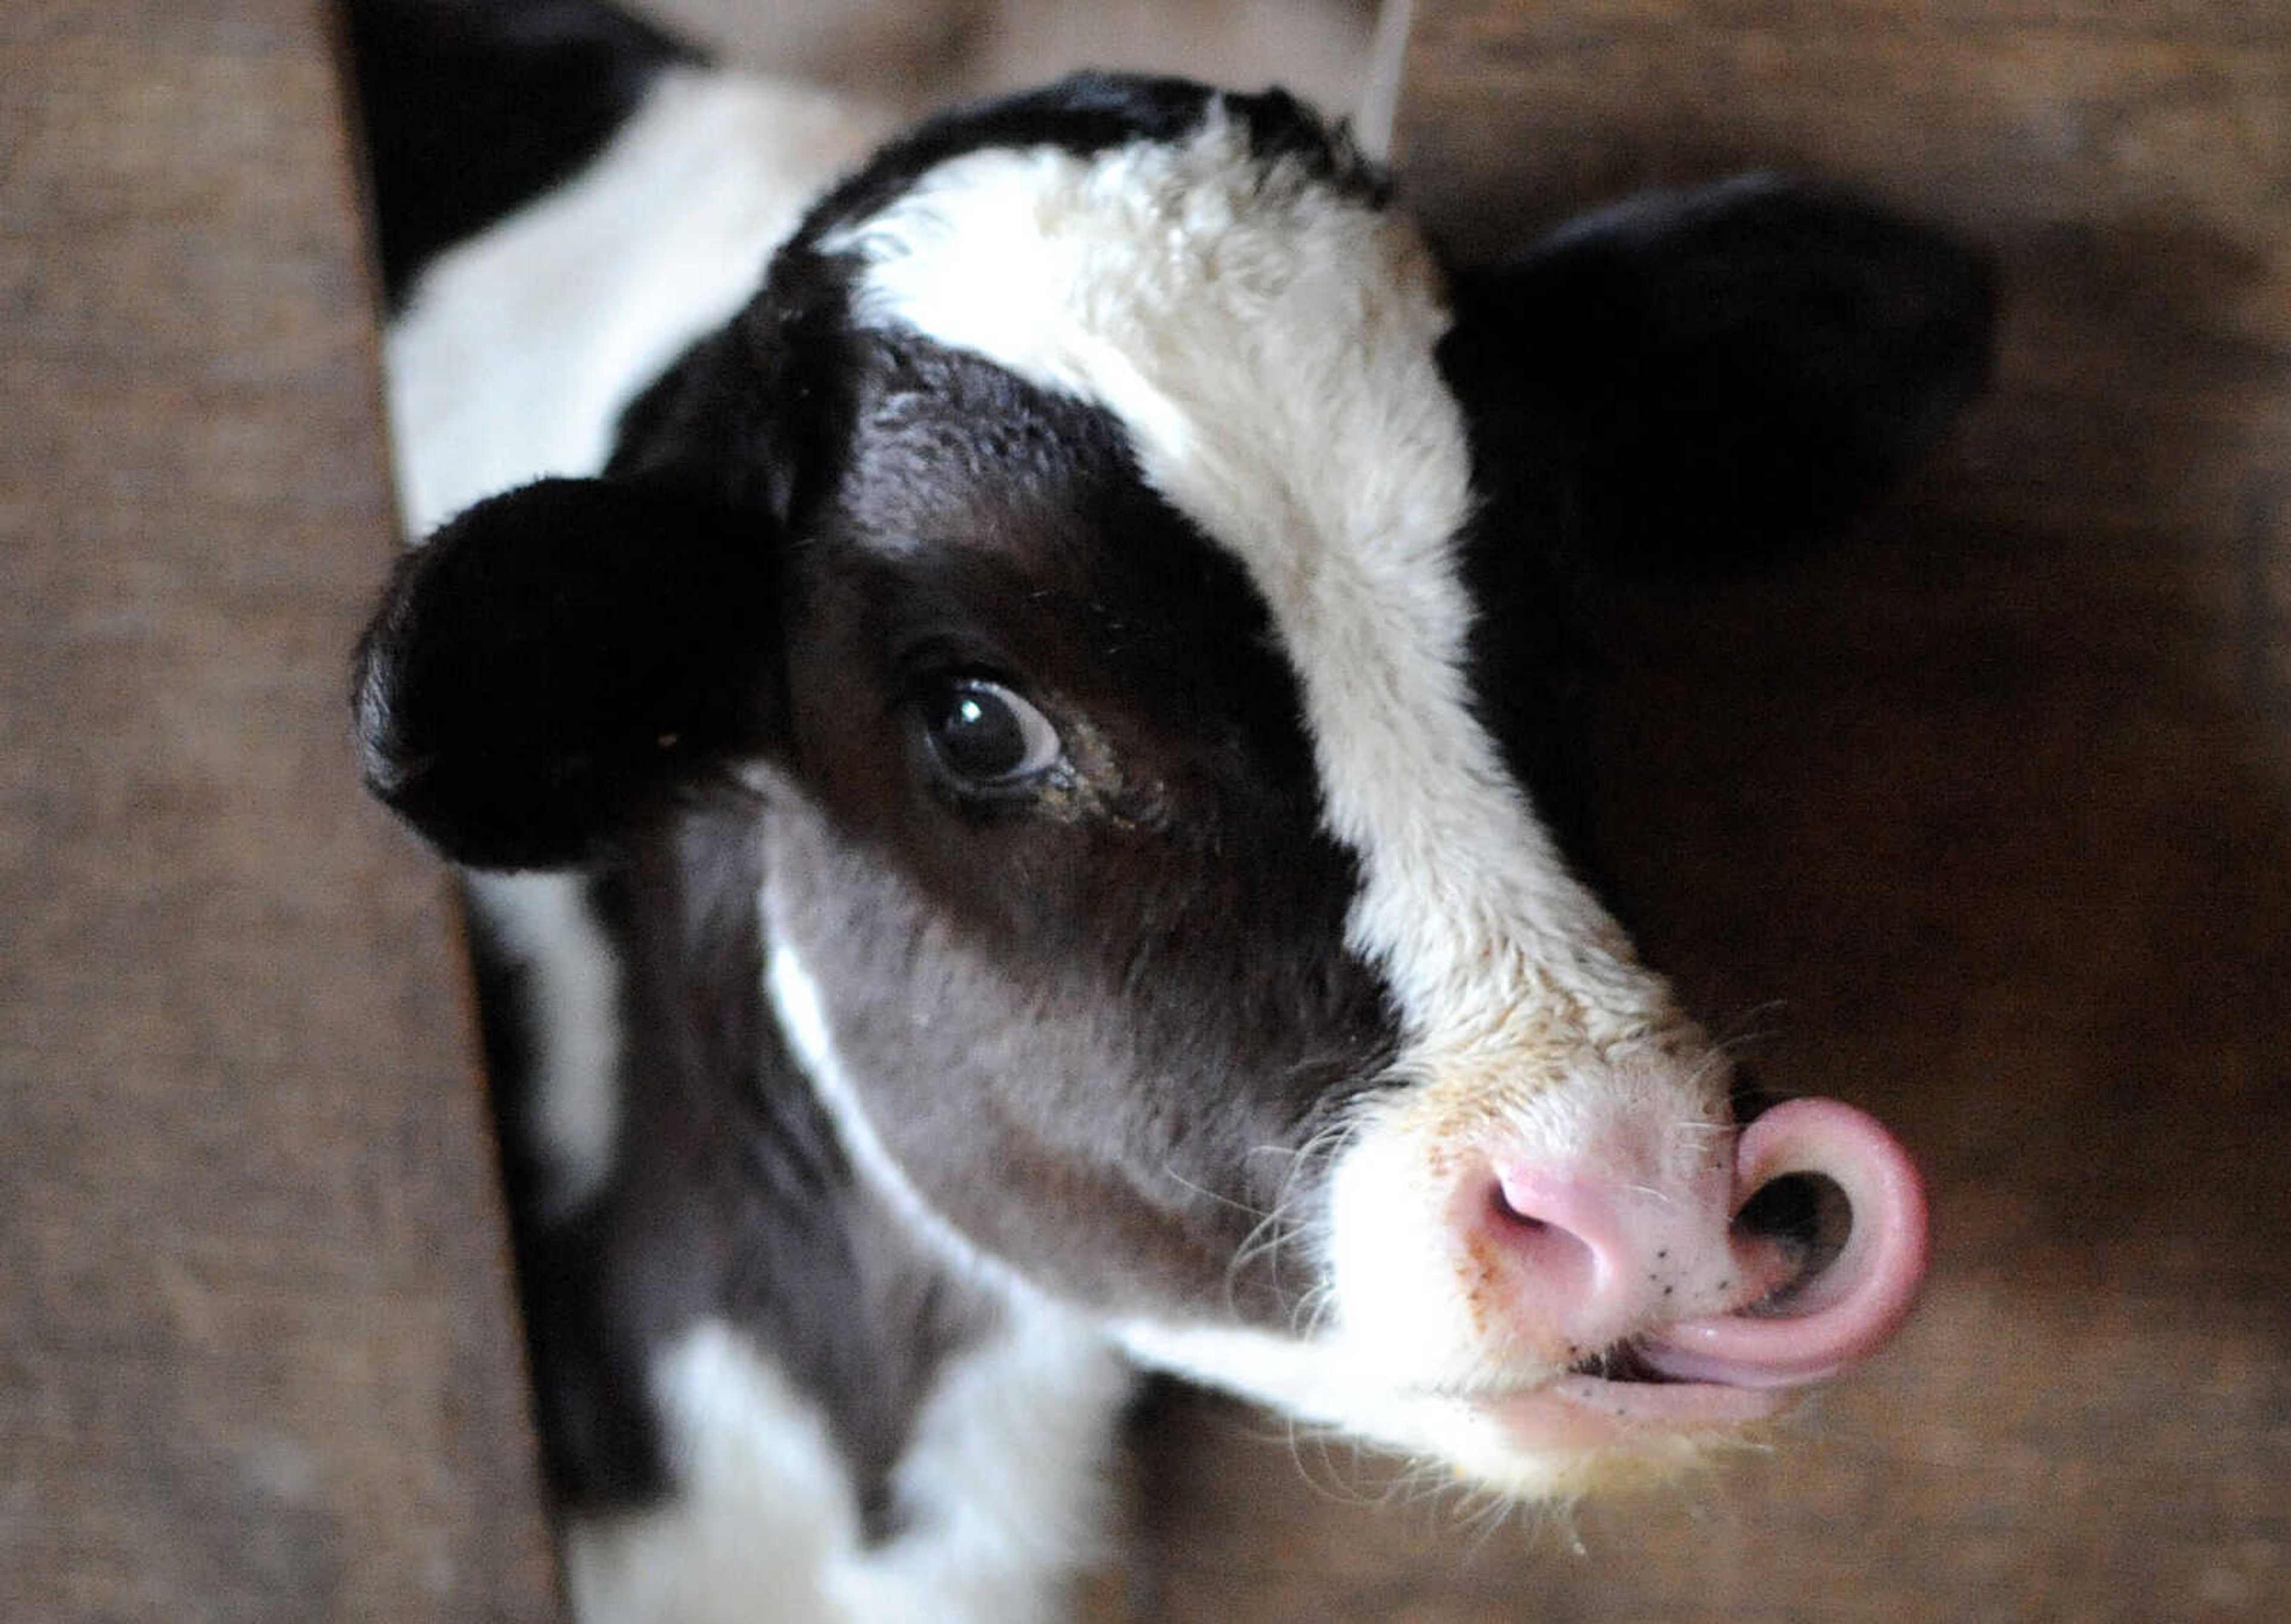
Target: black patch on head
[(1137, 1002), (474, 107)]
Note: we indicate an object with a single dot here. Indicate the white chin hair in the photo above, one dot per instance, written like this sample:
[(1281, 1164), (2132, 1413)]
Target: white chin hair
[(1541, 1445)]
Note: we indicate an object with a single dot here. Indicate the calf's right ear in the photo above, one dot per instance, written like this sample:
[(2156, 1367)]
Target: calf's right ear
[(1732, 370), (563, 663)]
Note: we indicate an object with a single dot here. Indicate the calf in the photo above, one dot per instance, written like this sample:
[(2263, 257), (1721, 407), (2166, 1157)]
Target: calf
[(1007, 718)]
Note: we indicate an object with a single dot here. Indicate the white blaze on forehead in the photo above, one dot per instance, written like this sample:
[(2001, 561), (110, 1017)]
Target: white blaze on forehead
[(1268, 342)]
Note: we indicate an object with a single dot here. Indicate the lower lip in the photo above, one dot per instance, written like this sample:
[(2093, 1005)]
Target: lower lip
[(1583, 1411)]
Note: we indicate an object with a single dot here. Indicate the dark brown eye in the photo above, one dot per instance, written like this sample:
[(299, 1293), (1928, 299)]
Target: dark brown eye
[(985, 737)]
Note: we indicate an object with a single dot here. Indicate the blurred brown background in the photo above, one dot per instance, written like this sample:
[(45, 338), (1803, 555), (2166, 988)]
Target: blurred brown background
[(1984, 820)]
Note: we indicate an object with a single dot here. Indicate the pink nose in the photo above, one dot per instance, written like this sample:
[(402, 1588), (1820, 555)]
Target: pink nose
[(1590, 1259)]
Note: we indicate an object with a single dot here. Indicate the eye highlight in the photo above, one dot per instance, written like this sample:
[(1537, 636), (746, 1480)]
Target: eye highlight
[(984, 737)]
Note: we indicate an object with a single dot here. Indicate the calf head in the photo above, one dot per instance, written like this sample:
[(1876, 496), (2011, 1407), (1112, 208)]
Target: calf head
[(1121, 577)]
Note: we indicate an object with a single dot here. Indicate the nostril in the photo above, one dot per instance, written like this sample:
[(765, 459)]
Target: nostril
[(1552, 1231), (1501, 1202), (1809, 1220), (1829, 1184)]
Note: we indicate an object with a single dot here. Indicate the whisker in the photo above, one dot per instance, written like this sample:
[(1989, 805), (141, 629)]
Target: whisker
[(1178, 1178)]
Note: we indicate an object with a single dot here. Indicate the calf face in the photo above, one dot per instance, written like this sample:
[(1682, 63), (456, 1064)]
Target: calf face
[(1123, 576)]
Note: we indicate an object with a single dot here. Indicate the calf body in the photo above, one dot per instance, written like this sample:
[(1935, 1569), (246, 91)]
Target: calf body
[(1011, 734)]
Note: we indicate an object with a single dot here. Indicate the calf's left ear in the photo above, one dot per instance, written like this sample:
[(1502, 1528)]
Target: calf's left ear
[(564, 662), (1729, 370)]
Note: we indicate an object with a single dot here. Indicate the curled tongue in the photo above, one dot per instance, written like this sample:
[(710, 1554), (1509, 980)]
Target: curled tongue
[(1836, 1311)]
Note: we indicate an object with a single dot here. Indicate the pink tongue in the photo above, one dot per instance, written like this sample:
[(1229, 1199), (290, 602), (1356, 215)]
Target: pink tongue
[(1854, 1306)]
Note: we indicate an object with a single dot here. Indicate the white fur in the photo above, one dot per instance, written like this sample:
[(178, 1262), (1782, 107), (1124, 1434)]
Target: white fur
[(519, 349), (543, 925), (1268, 345), (1325, 1386), (1008, 1474), (764, 1511), (1005, 1473)]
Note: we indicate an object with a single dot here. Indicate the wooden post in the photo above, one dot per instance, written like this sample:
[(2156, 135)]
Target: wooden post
[(257, 1350)]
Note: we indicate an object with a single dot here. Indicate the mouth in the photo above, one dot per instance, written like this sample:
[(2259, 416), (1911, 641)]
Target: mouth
[(1579, 1415), (1626, 1364), (1659, 1381), (1607, 1397)]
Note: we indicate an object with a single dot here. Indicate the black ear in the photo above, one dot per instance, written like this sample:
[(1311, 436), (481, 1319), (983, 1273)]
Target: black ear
[(561, 663), (1730, 370)]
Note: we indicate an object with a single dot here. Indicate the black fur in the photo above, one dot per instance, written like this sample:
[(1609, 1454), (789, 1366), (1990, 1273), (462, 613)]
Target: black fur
[(729, 1197), (474, 107), (1726, 373), (1162, 933), (558, 666), (1689, 384)]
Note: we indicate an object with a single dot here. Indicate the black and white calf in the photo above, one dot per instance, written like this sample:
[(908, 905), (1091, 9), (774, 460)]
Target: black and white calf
[(1009, 735)]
